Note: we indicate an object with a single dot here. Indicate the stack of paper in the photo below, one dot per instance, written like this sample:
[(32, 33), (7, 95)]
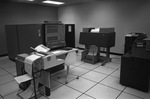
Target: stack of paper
[(42, 48), (96, 30)]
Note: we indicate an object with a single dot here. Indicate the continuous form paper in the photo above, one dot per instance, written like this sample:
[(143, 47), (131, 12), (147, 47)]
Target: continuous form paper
[(93, 51), (42, 48), (28, 68), (29, 61), (96, 30), (23, 78)]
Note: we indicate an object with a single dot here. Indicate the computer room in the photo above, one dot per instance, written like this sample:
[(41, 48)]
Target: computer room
[(74, 49)]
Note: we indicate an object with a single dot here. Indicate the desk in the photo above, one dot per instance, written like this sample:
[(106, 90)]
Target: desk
[(45, 73)]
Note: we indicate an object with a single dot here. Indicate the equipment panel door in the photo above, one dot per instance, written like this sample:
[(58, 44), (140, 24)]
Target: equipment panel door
[(70, 35), (29, 35)]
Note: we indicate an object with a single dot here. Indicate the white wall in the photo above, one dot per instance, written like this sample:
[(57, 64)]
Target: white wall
[(125, 15)]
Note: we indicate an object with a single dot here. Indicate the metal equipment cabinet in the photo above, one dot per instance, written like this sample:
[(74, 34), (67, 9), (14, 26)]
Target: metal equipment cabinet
[(70, 35), (135, 72), (128, 43), (21, 37)]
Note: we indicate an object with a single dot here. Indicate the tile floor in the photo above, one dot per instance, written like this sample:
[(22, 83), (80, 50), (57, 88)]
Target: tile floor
[(95, 82)]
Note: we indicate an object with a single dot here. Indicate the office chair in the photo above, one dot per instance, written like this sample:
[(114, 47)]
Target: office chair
[(34, 73), (69, 60)]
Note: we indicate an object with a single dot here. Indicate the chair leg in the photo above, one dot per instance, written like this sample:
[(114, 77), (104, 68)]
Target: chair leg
[(67, 74), (18, 93)]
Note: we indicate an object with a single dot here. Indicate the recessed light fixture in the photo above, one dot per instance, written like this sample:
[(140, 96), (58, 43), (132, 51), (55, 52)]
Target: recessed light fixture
[(30, 0), (52, 2)]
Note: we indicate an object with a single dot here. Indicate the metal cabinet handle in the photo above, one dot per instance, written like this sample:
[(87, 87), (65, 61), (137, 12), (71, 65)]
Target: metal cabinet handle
[(39, 33)]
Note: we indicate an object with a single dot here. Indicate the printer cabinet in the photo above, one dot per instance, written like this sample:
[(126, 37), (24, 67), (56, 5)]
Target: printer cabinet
[(135, 72), (20, 69)]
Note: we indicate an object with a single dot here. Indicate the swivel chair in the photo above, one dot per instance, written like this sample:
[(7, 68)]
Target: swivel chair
[(69, 60)]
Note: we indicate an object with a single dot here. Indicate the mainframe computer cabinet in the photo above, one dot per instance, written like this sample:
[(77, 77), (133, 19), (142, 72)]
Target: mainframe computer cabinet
[(21, 37)]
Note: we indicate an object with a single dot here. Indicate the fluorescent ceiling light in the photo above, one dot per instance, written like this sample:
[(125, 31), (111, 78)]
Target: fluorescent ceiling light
[(53, 2), (30, 0)]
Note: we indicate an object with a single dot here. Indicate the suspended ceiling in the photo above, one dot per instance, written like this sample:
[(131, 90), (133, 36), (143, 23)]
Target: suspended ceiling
[(67, 2)]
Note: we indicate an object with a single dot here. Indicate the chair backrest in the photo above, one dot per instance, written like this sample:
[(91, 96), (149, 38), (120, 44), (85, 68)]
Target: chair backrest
[(70, 58)]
